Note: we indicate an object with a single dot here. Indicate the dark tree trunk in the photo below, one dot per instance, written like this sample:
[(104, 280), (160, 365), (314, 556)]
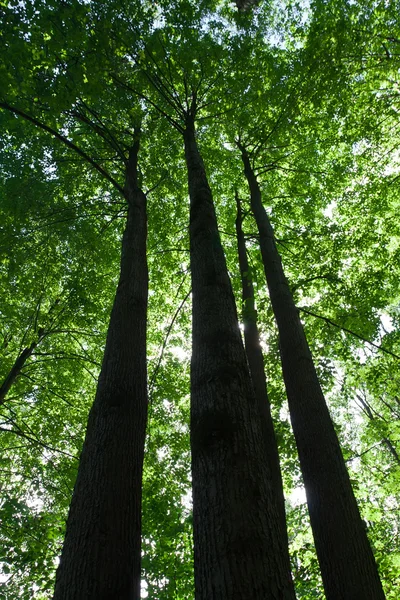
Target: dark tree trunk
[(239, 546), (347, 564), (16, 370), (256, 364), (101, 554)]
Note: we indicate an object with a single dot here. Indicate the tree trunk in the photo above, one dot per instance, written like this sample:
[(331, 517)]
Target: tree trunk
[(101, 554), (256, 364), (347, 564), (16, 370), (239, 548)]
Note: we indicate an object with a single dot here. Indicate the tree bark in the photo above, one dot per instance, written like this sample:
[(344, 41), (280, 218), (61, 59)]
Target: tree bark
[(239, 548), (101, 554), (347, 564), (256, 364)]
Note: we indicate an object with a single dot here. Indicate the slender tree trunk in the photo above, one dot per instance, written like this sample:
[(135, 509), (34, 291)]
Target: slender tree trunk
[(239, 548), (256, 364), (101, 553), (347, 564), (16, 370)]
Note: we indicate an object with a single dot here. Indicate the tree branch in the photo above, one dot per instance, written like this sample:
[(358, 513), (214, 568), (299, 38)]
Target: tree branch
[(156, 368), (65, 141), (357, 335), (35, 441)]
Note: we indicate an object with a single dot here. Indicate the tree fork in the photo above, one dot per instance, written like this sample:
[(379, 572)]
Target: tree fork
[(239, 545), (346, 560), (102, 548)]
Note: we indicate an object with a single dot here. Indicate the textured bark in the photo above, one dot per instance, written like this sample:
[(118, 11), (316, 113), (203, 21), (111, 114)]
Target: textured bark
[(347, 564), (101, 554), (256, 364), (239, 549)]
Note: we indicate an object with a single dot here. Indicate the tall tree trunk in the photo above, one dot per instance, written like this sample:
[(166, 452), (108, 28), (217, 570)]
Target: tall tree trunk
[(101, 554), (347, 564), (256, 364), (239, 548)]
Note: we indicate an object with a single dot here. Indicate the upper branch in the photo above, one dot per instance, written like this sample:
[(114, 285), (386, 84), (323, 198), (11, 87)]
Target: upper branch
[(65, 141)]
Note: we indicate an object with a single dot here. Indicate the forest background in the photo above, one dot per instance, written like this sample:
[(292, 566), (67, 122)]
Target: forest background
[(312, 91)]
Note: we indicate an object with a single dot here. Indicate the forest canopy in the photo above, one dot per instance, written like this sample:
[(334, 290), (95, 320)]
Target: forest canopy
[(308, 94)]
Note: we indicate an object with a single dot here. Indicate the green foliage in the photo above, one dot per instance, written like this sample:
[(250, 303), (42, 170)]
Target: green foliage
[(313, 95)]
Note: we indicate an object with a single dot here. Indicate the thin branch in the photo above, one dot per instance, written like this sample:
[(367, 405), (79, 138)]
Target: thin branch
[(102, 131), (170, 250), (357, 335), (105, 129), (174, 98), (156, 368), (155, 186), (328, 277), (391, 409), (364, 452), (158, 85), (153, 104), (64, 355), (171, 78), (35, 441), (391, 449), (65, 141)]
